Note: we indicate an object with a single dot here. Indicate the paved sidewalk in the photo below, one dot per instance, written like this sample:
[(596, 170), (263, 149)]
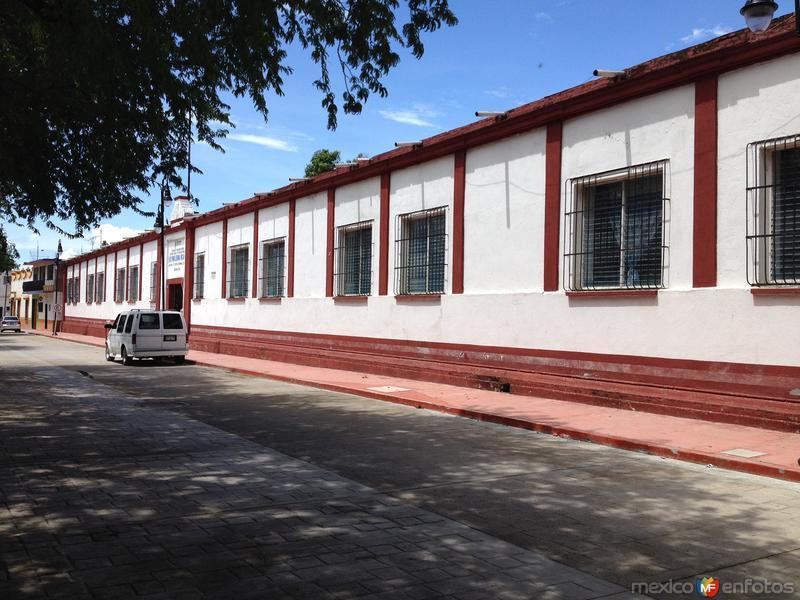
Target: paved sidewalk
[(102, 496), (777, 453)]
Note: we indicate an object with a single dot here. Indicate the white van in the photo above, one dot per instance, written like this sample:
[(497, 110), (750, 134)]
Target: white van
[(147, 334)]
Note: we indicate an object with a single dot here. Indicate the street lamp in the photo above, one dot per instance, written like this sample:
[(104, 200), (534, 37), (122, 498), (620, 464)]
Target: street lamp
[(758, 14), (55, 288), (159, 227)]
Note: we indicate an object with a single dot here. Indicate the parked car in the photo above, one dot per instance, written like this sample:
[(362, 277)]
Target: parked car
[(147, 334), (9, 324)]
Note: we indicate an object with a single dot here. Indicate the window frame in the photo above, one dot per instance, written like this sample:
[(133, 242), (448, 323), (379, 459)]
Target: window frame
[(264, 274), (120, 291), (90, 288), (580, 220), (762, 189), (133, 283), (403, 252), (243, 289), (153, 280), (100, 288), (198, 276), (341, 275)]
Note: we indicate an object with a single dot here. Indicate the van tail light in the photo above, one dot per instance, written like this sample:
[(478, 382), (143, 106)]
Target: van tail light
[(133, 339)]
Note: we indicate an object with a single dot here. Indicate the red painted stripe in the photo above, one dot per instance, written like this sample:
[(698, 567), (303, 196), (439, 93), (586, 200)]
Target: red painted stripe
[(290, 276), (704, 261), (127, 271), (613, 293), (188, 276), (552, 204), (105, 277), (383, 257), (116, 257), (224, 282), (254, 292), (94, 292), (159, 266), (776, 291), (460, 180), (329, 243)]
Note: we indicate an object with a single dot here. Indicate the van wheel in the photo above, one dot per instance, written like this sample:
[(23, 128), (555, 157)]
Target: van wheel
[(109, 356), (179, 360), (125, 358)]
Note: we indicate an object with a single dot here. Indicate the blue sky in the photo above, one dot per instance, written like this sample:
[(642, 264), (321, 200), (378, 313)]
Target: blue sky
[(502, 54)]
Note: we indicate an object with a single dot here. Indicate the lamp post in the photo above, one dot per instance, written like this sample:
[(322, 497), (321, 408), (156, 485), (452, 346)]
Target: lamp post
[(55, 290), (758, 14), (159, 228)]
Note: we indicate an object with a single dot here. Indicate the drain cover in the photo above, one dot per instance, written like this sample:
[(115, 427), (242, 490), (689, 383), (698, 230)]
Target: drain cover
[(744, 453)]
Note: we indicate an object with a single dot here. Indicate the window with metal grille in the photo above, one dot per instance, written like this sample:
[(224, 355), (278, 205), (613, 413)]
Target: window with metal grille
[(119, 296), (773, 212), (353, 260), (153, 280), (616, 229), (133, 284), (273, 264), (69, 289), (199, 274), (90, 289), (100, 287), (421, 252), (238, 271)]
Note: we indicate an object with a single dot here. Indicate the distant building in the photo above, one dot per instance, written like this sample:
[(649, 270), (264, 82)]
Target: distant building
[(32, 293)]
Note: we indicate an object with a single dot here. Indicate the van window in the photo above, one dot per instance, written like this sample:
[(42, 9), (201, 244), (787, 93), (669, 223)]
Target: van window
[(120, 323), (129, 325), (149, 321), (172, 321)]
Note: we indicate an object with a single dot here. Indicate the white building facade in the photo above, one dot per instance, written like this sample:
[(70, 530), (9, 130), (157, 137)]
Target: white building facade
[(644, 222)]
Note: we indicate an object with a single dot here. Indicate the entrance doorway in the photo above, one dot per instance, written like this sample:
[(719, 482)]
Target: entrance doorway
[(175, 296)]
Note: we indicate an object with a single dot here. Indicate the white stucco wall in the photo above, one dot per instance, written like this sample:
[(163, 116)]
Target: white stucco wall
[(310, 246), (504, 215), (755, 103), (421, 187)]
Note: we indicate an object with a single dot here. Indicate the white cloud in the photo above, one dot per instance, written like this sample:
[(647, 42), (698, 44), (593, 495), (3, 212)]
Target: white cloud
[(501, 92), (109, 233), (543, 16), (69, 253), (409, 117), (705, 33), (263, 140)]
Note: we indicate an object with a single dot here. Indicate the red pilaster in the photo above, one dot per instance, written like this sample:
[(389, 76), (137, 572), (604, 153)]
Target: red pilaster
[(704, 260), (290, 276), (94, 291), (460, 181), (383, 257), (329, 243), (552, 204), (114, 278), (188, 275), (254, 291), (105, 277), (224, 277)]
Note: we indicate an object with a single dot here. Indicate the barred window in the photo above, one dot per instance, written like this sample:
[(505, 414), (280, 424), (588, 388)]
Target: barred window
[(119, 296), (199, 275), (420, 252), (133, 284), (100, 287), (616, 233), (773, 212), (153, 280), (353, 259), (70, 281), (238, 271), (90, 289), (273, 264)]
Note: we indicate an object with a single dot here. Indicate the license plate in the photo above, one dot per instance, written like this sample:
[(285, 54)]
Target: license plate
[(170, 338)]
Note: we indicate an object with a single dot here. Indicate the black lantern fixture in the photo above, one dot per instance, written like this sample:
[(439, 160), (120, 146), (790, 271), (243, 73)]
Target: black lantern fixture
[(758, 14)]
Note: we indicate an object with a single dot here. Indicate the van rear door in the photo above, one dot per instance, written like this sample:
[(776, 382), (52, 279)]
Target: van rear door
[(173, 332), (148, 337)]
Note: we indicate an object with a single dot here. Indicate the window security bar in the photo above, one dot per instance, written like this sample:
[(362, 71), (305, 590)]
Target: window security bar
[(90, 289), (617, 229), (421, 252), (100, 287), (133, 284), (153, 280), (773, 212), (353, 260), (120, 295), (199, 275), (239, 272), (272, 282)]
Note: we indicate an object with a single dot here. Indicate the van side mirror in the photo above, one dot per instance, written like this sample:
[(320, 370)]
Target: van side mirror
[(109, 325)]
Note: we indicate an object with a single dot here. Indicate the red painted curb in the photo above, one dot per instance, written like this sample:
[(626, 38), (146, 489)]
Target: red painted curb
[(693, 456)]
